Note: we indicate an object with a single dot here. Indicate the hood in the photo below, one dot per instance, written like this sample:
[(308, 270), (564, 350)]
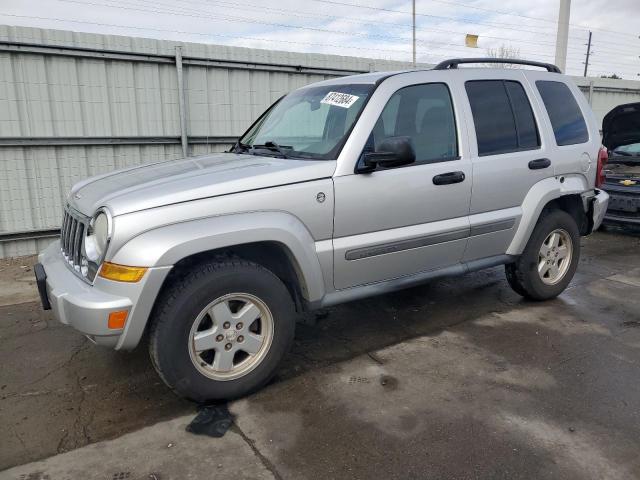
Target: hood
[(621, 126), (174, 181)]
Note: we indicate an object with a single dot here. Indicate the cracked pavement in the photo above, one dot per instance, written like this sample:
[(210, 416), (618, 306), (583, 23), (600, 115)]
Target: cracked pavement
[(459, 378)]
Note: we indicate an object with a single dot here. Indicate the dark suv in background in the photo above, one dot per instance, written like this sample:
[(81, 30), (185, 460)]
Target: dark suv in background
[(621, 136)]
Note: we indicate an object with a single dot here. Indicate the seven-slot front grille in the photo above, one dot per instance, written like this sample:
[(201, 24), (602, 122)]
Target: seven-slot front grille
[(71, 235)]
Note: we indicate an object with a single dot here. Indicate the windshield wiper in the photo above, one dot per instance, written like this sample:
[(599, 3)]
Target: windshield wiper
[(271, 145), (240, 147)]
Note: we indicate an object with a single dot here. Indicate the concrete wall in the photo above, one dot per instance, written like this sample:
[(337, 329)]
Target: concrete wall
[(74, 105)]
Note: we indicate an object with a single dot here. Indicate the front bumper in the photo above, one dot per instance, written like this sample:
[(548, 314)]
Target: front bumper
[(86, 307), (624, 205)]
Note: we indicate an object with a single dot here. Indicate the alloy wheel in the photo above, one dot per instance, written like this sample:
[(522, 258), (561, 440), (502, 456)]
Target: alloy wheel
[(231, 336)]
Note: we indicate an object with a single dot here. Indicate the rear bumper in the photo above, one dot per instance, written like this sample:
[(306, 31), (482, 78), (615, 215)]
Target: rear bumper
[(597, 202), (86, 307)]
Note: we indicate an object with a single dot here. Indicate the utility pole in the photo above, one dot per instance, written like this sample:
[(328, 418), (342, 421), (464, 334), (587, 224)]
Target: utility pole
[(586, 63), (414, 33), (562, 39)]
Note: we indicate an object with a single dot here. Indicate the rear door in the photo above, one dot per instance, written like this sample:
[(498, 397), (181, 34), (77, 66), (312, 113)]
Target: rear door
[(508, 155)]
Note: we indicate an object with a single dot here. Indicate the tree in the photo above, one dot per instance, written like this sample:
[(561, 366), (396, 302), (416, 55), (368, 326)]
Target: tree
[(613, 75), (506, 52)]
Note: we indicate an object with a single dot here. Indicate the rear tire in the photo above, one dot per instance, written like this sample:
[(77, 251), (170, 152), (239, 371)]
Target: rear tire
[(549, 260), (220, 331)]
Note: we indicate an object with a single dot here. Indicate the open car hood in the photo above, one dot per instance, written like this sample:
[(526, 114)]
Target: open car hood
[(621, 126)]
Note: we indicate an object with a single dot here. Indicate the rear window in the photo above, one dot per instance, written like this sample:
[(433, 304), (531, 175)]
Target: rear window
[(566, 118), (503, 117)]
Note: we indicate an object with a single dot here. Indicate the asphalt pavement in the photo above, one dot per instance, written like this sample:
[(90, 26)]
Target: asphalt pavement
[(459, 378)]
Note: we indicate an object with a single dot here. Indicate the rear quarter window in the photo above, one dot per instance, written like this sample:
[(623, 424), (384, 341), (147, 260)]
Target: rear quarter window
[(566, 118)]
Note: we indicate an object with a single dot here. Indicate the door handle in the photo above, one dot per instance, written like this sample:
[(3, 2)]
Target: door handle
[(448, 178), (539, 163)]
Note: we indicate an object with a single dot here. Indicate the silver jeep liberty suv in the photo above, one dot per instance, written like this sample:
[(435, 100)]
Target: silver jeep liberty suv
[(342, 189)]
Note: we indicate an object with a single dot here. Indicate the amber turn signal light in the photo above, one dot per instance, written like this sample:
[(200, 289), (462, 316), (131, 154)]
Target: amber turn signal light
[(121, 273), (117, 320)]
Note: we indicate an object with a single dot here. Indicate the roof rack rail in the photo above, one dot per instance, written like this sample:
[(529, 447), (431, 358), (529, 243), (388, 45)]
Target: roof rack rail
[(454, 62)]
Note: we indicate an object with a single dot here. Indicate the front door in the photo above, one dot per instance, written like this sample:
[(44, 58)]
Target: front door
[(395, 222)]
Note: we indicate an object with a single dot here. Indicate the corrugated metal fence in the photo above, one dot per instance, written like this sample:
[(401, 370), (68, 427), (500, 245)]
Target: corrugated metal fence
[(605, 93), (75, 104)]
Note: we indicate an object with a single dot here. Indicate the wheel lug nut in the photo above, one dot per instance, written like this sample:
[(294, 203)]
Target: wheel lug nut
[(239, 326), (240, 338), (227, 346), (226, 324), (219, 338)]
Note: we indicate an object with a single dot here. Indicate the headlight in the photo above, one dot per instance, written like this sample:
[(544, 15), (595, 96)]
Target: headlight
[(97, 241), (95, 245)]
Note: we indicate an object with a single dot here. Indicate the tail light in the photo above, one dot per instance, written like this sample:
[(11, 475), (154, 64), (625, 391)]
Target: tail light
[(603, 157)]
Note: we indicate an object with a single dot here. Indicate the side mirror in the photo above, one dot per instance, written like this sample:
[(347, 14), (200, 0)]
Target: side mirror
[(392, 152)]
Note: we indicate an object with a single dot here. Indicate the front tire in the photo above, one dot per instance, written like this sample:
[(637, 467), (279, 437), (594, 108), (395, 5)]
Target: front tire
[(220, 331), (549, 260)]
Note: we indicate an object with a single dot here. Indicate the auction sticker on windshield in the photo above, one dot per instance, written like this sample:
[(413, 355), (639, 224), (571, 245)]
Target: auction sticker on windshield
[(338, 99)]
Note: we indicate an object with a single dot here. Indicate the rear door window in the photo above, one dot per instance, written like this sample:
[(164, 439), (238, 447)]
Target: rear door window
[(566, 118), (502, 116), (526, 129)]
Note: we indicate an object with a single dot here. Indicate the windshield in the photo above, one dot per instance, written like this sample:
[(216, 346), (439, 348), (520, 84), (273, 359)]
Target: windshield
[(310, 123), (633, 149)]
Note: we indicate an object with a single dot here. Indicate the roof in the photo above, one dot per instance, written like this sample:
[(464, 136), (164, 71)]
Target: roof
[(365, 78), (376, 77)]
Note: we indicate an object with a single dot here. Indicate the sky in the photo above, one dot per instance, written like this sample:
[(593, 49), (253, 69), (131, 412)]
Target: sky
[(362, 28)]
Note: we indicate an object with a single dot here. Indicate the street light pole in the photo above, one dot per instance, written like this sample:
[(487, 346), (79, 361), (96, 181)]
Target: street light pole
[(562, 39), (586, 63)]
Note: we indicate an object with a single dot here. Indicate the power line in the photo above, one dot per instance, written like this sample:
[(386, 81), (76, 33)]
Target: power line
[(461, 19), (348, 19), (540, 19), (235, 37), (501, 12), (420, 14), (315, 15), (182, 32), (300, 27), (249, 20), (199, 12), (430, 29), (230, 18), (427, 43), (513, 14)]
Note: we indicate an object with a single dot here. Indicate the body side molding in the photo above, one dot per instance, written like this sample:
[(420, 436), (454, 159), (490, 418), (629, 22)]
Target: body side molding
[(426, 240)]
